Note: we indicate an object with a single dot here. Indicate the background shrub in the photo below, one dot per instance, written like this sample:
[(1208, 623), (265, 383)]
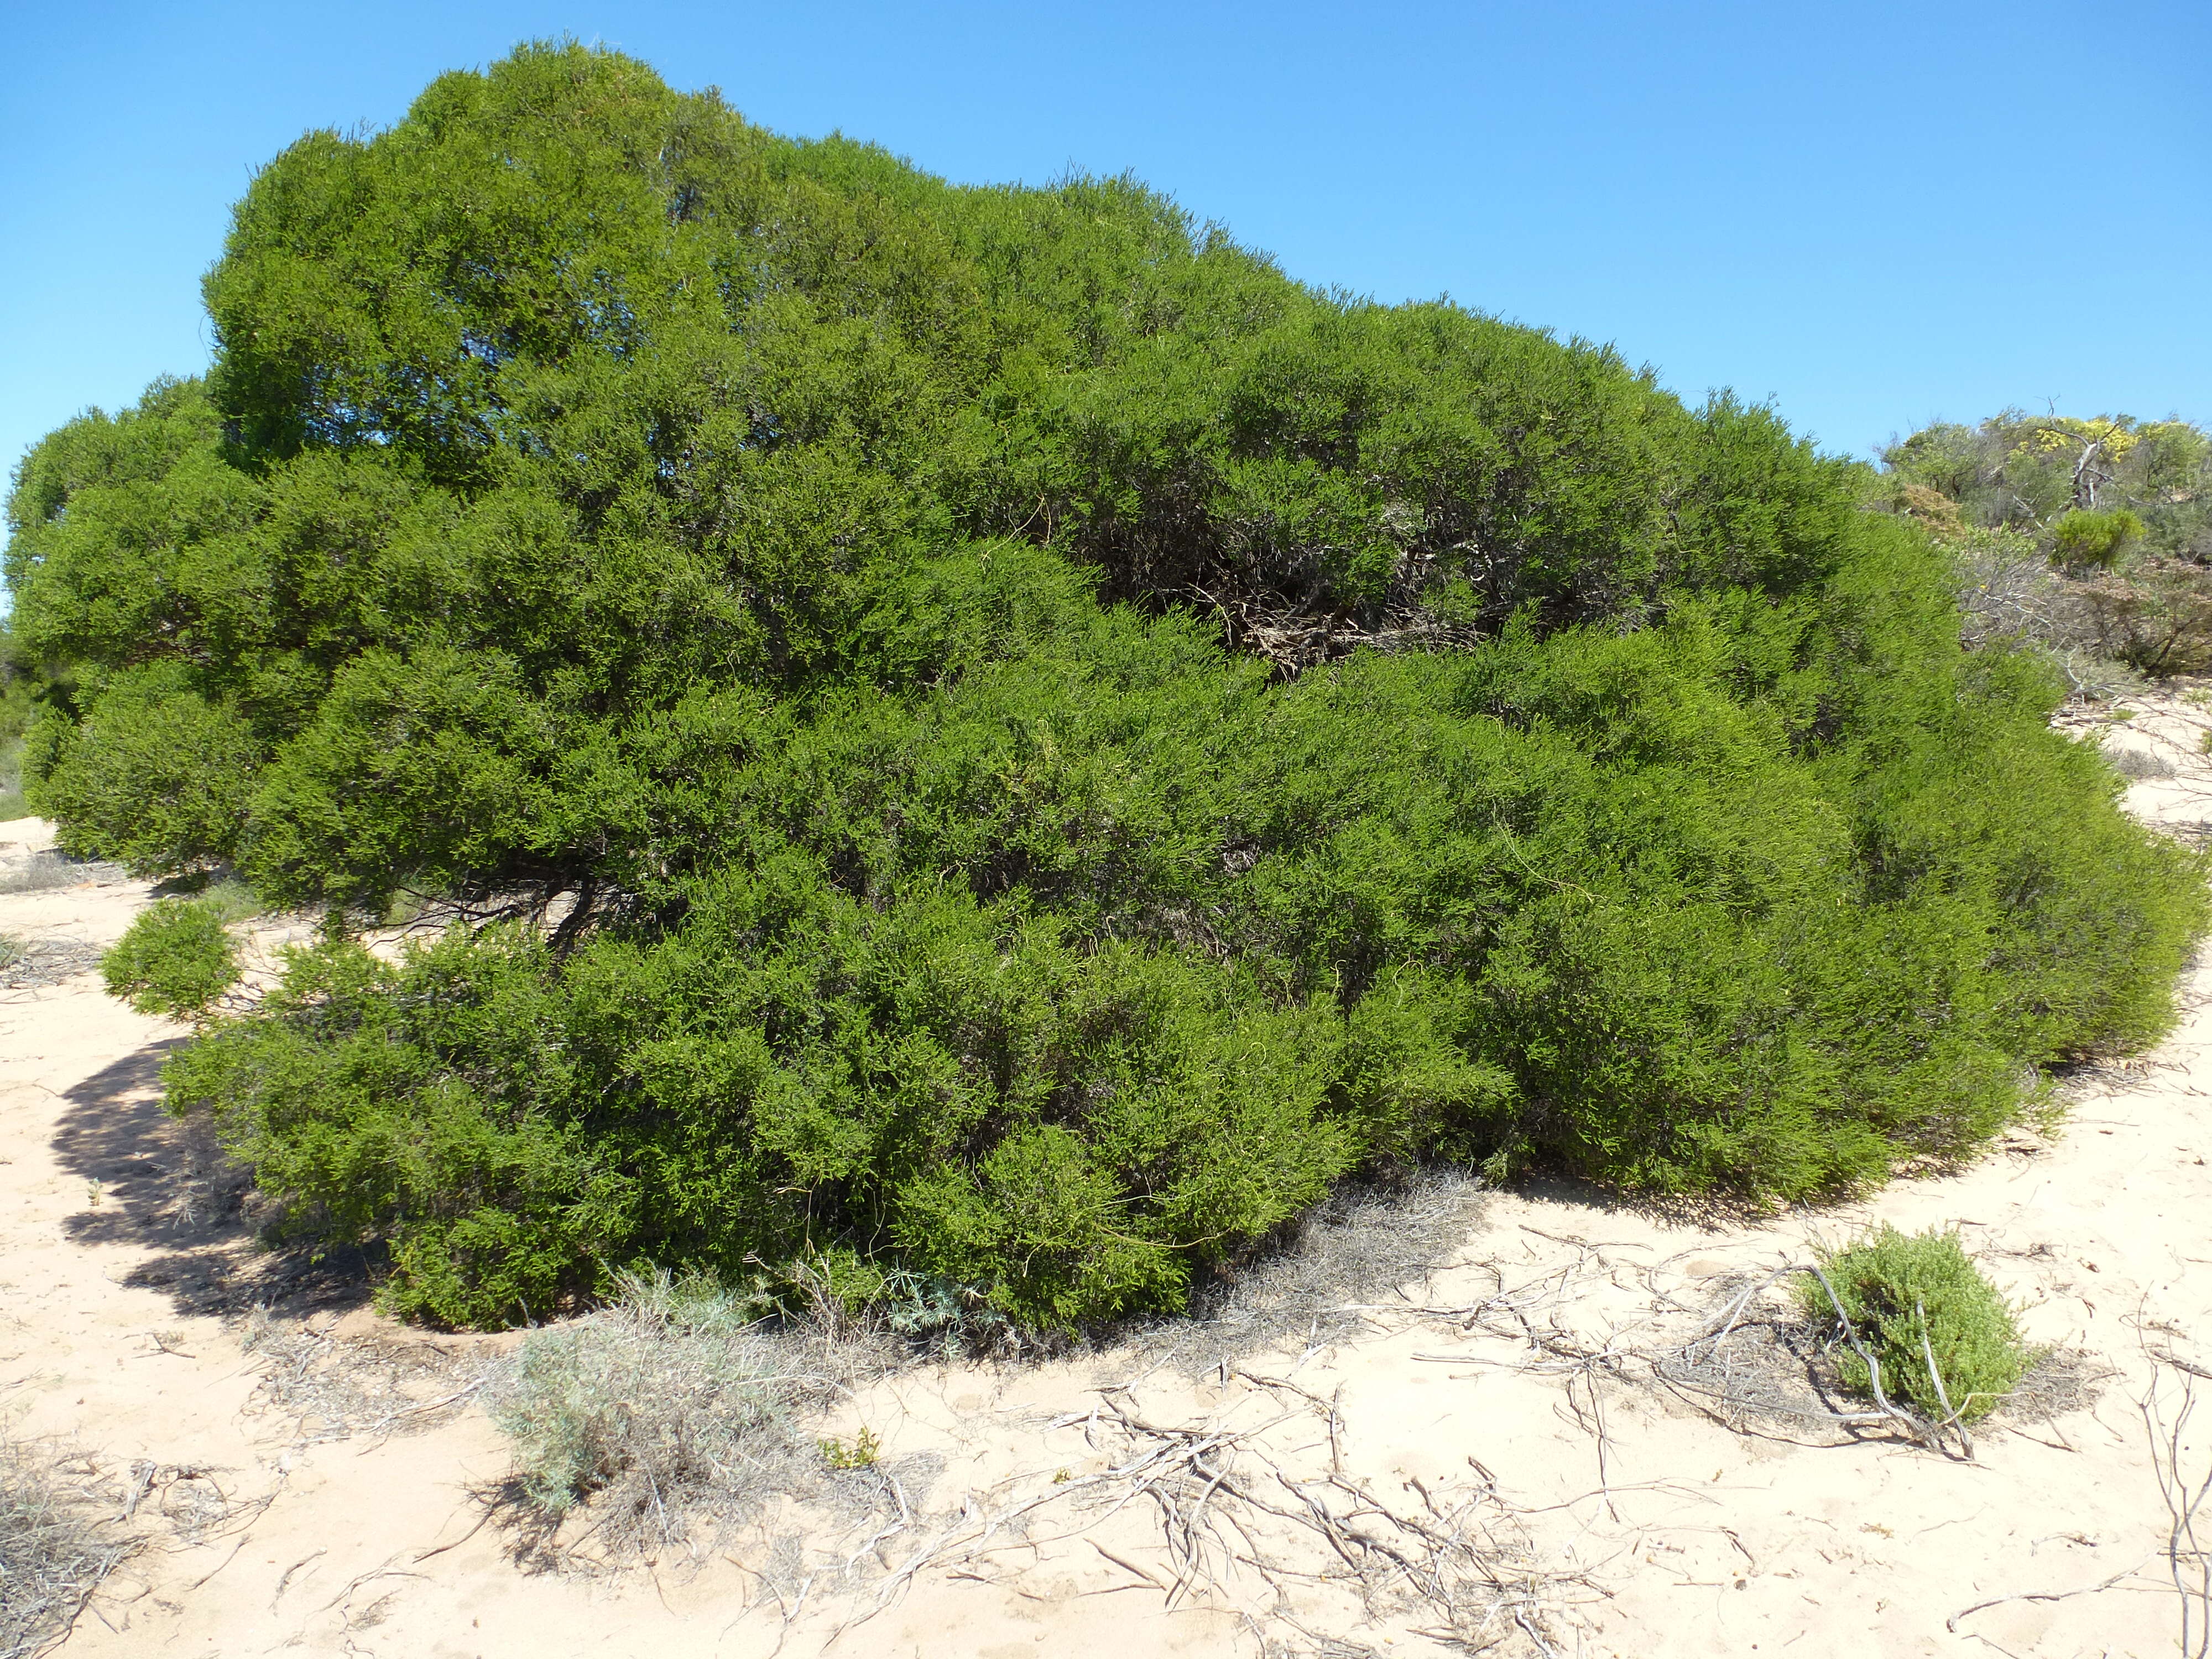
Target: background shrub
[(18, 711), (2089, 540), (1907, 1295), (2157, 616), (1051, 742), (2081, 536), (2085, 487)]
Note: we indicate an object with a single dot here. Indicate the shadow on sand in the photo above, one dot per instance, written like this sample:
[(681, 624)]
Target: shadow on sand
[(161, 1184)]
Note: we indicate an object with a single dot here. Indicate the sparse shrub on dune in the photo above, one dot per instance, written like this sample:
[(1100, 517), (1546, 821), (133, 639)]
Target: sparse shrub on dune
[(669, 1408), (1049, 744), (1940, 1334)]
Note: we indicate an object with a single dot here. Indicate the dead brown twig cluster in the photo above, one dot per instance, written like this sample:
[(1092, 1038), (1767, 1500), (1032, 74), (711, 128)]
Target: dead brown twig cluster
[(71, 1523)]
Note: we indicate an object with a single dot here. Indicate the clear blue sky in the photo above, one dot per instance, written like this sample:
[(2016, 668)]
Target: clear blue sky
[(1873, 213)]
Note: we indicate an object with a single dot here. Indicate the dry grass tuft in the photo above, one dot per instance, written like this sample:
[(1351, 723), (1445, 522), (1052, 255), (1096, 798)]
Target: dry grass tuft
[(59, 1540), (673, 1415), (34, 963), (46, 870), (336, 1389)]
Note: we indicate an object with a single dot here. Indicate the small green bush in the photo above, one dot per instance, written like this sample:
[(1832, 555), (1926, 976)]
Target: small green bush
[(176, 959), (863, 1451), (1907, 1295), (2095, 538)]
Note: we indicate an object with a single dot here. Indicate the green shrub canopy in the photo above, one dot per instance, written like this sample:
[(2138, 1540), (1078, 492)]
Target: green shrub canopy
[(1050, 742)]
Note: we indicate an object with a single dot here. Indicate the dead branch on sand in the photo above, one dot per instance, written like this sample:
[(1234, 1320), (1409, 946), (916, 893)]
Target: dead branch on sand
[(1529, 1314), (2184, 1481), (1251, 1521)]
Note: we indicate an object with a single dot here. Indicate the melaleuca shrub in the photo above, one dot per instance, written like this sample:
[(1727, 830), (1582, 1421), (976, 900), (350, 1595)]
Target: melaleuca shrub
[(155, 777), (413, 1106), (1053, 742)]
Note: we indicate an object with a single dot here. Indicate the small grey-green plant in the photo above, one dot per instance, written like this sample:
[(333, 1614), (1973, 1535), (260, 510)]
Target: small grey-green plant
[(1911, 1299), (2132, 763), (42, 872), (671, 1404), (231, 901)]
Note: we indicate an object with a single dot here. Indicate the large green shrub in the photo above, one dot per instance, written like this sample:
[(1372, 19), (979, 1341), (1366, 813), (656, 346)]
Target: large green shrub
[(1053, 743)]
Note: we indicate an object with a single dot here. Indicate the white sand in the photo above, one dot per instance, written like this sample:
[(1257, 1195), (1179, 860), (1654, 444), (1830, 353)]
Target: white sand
[(1692, 1539)]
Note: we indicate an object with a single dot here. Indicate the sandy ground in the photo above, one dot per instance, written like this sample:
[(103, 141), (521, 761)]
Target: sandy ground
[(1514, 1393)]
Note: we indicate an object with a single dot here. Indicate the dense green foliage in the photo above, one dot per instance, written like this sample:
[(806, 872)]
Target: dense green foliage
[(1911, 1296), (2083, 536), (1046, 742), (176, 959), (17, 712)]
